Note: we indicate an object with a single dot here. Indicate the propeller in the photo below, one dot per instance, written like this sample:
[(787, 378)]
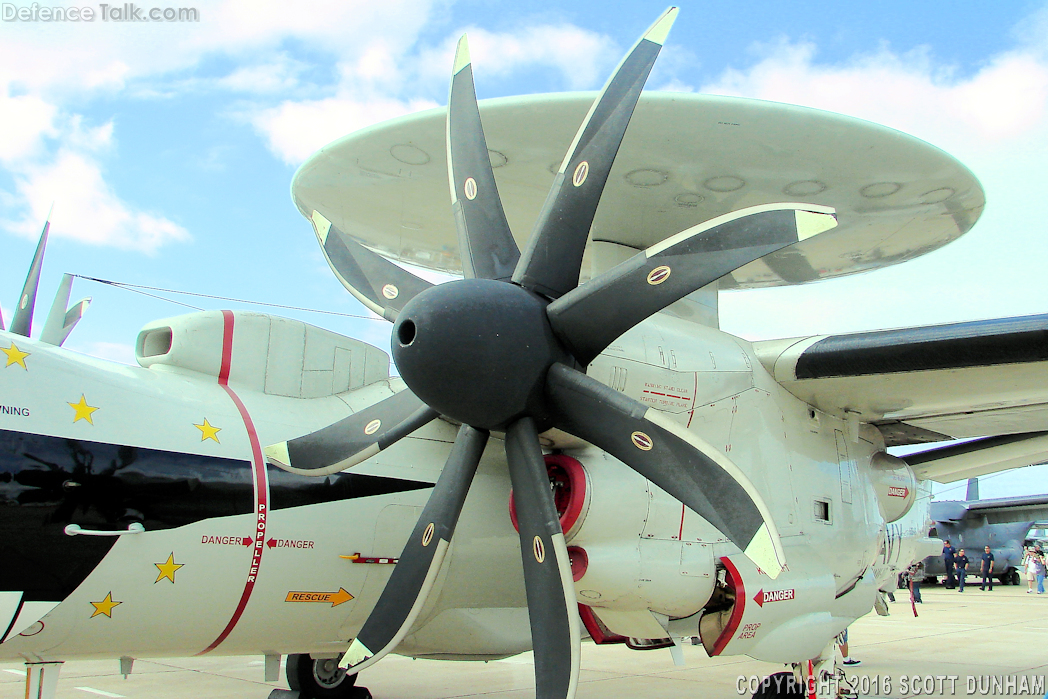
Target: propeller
[(505, 350), (376, 282)]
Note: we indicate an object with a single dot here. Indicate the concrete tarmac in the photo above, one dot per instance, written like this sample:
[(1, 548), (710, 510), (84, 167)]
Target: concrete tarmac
[(974, 637)]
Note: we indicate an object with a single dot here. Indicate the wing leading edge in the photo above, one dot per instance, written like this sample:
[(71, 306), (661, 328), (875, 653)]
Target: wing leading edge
[(976, 379)]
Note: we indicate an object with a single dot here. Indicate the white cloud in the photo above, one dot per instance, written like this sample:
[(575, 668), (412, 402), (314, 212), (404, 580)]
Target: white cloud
[(294, 130), (581, 56), (50, 154), (275, 76), (87, 209), (369, 84), (89, 56), (994, 121), (27, 121), (676, 85), (1003, 100), (52, 157)]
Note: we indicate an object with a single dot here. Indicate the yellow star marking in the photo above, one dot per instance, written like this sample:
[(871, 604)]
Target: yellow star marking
[(208, 431), (105, 606), (167, 570), (83, 410), (15, 356)]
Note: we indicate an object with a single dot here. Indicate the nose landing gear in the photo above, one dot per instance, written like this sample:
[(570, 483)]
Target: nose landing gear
[(320, 678)]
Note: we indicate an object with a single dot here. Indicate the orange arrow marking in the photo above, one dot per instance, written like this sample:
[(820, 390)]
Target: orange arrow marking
[(335, 598)]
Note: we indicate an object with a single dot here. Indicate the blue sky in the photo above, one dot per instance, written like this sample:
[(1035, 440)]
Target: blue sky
[(168, 148)]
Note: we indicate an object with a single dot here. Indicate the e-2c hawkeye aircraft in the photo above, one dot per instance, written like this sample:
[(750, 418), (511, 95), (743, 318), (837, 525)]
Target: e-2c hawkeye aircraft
[(572, 448)]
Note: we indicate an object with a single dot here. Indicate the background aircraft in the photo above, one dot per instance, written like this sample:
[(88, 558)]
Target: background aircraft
[(1003, 524)]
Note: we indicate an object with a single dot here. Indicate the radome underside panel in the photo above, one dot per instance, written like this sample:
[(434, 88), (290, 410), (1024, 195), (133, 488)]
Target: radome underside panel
[(684, 159)]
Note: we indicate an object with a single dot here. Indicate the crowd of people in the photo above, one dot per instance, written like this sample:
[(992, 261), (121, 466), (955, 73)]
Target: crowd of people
[(959, 566), (1035, 569)]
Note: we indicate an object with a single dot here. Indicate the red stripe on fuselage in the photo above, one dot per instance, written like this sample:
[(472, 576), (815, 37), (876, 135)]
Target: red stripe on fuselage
[(737, 610), (260, 478)]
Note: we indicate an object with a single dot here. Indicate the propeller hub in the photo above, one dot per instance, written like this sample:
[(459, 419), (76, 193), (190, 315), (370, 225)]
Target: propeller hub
[(477, 350)]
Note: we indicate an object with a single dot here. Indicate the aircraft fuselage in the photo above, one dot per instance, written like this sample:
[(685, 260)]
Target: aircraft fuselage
[(237, 556)]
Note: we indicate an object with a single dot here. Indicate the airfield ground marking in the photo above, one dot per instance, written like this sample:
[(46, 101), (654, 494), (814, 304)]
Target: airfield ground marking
[(261, 482), (100, 692)]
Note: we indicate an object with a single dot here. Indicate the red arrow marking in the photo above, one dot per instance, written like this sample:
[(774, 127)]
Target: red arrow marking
[(762, 597)]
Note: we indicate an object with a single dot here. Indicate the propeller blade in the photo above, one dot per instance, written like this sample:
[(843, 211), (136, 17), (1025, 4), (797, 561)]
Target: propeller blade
[(552, 608), (416, 572), (553, 257), (589, 317), (353, 439), (376, 282), (485, 241), (22, 322), (673, 458)]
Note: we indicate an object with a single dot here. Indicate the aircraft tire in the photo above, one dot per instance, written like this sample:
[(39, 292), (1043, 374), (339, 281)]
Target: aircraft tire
[(321, 678), (780, 685)]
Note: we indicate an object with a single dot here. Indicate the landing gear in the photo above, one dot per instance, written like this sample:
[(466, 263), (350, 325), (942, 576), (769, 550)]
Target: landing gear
[(322, 678), (781, 685)]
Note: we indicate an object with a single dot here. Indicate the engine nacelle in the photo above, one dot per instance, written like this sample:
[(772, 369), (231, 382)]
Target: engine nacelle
[(568, 480), (624, 561), (787, 619), (895, 485)]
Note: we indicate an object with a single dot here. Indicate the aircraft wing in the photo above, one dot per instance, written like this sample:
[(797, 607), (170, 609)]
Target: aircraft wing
[(1023, 508), (984, 378)]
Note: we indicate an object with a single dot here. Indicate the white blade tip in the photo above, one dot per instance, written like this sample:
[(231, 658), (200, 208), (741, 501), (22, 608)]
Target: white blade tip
[(811, 223), (356, 654), (762, 551), (321, 225), (661, 29), (461, 55), (278, 454)]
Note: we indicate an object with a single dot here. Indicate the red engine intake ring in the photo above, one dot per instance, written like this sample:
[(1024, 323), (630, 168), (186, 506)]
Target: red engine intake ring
[(568, 478)]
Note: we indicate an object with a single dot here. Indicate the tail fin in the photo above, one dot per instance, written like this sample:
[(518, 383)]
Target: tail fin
[(973, 489), (22, 323), (60, 322)]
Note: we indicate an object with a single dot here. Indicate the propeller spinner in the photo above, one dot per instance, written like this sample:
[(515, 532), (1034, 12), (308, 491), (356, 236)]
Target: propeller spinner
[(506, 348)]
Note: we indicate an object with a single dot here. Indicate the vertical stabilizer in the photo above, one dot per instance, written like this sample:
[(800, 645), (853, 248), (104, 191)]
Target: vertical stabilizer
[(973, 489), (22, 323), (60, 322)]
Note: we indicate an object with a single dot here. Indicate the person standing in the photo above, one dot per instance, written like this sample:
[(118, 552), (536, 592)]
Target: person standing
[(1039, 570), (960, 562), (986, 569), (1031, 569), (842, 642), (949, 555)]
